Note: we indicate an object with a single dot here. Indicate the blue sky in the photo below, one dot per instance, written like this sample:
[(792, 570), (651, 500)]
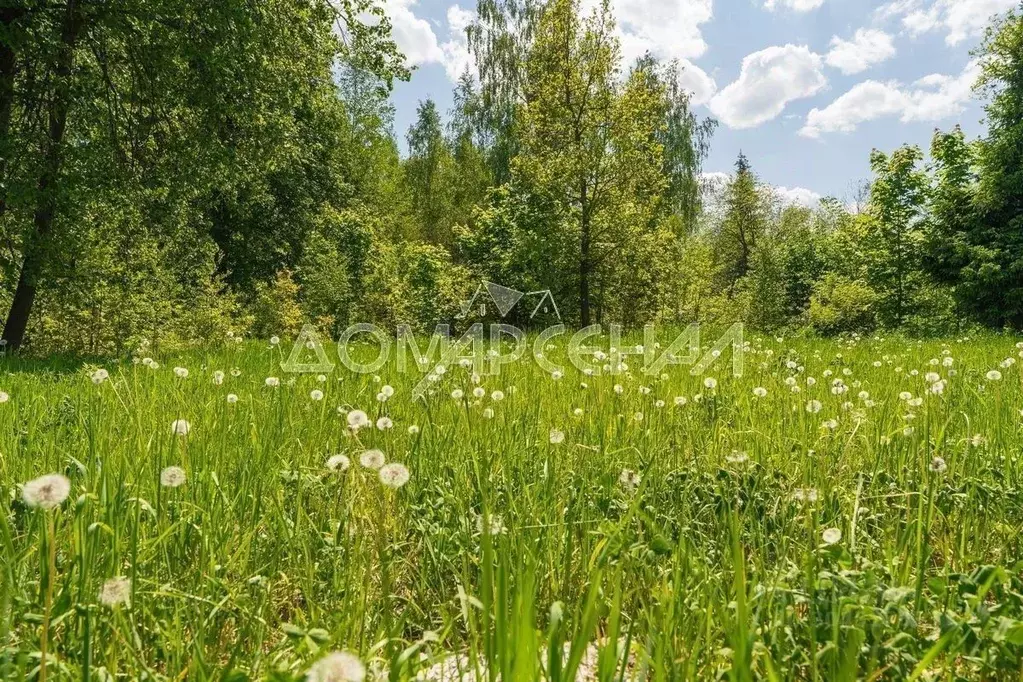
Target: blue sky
[(806, 88)]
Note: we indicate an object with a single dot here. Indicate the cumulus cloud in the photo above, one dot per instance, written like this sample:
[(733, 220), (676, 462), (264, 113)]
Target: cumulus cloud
[(417, 40), (931, 98), (668, 30), (867, 48), (713, 185), (794, 5), (960, 19), (798, 196), (768, 81), (414, 36), (457, 58)]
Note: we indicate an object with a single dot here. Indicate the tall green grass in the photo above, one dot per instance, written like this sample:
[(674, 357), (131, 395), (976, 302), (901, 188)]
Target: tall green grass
[(710, 562)]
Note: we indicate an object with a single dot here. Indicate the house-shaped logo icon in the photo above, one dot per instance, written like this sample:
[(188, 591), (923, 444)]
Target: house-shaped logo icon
[(491, 298)]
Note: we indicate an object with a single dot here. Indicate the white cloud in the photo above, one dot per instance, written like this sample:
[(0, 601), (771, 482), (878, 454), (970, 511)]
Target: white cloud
[(794, 5), (713, 185), (695, 80), (931, 98), (768, 81), (414, 36), (668, 29), (798, 196), (456, 49), (867, 47), (960, 19), (417, 40)]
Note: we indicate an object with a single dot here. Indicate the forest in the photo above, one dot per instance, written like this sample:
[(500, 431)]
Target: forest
[(172, 170)]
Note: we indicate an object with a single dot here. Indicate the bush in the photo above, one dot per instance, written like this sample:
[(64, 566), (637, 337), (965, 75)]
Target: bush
[(841, 305)]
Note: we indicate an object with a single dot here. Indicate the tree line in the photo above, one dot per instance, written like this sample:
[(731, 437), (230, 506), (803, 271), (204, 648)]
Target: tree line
[(175, 169)]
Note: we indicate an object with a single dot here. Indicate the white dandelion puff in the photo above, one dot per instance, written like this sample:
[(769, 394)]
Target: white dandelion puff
[(180, 427), (339, 666), (813, 406), (172, 477), (831, 536), (316, 394), (384, 423), (272, 382), (115, 592), (557, 436), (357, 419), (181, 372), (46, 492), (339, 463), (394, 475), (372, 459)]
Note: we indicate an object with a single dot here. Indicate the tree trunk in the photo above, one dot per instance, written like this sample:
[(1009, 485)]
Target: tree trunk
[(8, 68), (36, 244), (584, 260)]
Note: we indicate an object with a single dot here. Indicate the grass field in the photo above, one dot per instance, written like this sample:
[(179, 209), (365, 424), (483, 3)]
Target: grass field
[(843, 510)]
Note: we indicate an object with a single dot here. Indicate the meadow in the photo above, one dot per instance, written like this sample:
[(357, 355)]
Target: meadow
[(844, 509)]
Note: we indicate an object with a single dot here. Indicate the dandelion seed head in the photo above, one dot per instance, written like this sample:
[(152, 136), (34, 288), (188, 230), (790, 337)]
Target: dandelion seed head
[(46, 492), (180, 427), (372, 459), (339, 666), (831, 536), (115, 592), (357, 419), (394, 475), (172, 477), (338, 463)]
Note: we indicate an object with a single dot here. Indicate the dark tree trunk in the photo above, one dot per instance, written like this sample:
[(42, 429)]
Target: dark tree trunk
[(584, 260), (8, 69), (36, 244)]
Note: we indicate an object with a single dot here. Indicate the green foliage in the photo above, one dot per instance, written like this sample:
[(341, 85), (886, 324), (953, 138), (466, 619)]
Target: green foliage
[(275, 309), (839, 305), (894, 237)]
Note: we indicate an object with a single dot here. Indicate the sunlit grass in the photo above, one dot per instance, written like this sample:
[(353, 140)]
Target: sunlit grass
[(675, 528)]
